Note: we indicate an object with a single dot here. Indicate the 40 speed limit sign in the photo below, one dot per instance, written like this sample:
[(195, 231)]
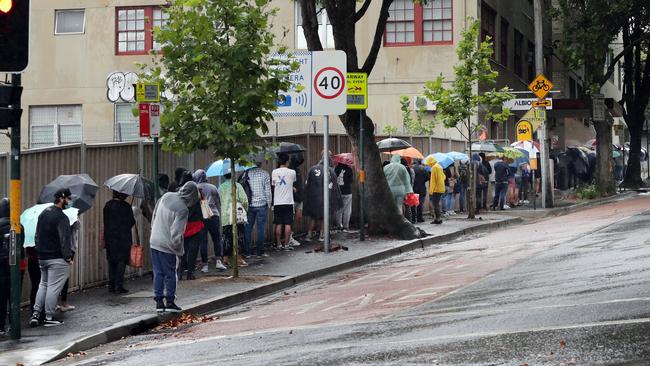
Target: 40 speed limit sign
[(318, 86)]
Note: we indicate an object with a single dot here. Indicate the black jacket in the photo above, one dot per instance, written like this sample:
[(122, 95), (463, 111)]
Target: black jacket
[(500, 172), (53, 235), (420, 181), (118, 221)]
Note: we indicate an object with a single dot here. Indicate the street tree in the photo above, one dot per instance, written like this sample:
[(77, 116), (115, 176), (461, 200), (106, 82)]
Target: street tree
[(343, 16), (216, 63), (589, 28), (459, 103), (418, 125)]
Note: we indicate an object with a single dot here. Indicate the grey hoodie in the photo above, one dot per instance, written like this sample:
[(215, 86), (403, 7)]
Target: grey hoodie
[(210, 191), (170, 217)]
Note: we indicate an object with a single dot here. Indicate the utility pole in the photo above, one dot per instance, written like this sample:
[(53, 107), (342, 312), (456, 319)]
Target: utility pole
[(547, 186), (14, 215)]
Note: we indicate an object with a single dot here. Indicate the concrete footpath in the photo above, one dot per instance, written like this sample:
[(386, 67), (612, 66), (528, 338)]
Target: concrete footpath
[(101, 317)]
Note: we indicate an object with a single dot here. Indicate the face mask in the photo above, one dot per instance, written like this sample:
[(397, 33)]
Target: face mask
[(68, 204)]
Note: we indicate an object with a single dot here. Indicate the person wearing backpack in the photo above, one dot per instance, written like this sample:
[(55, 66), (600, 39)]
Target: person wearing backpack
[(460, 188), (257, 185)]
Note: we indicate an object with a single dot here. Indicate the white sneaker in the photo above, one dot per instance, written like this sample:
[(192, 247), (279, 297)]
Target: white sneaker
[(293, 242), (219, 265), (321, 238), (506, 207), (526, 202), (205, 268)]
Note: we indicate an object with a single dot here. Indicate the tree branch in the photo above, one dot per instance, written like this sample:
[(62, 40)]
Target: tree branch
[(359, 14), (612, 65), (310, 24), (369, 64)]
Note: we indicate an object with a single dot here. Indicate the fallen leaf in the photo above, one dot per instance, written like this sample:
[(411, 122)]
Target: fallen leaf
[(286, 293), (562, 344), (291, 332), (110, 352)]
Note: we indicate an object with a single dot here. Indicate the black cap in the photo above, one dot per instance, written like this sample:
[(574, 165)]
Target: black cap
[(62, 193)]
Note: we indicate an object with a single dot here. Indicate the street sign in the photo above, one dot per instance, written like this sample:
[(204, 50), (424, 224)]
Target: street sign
[(598, 105), (543, 103), (154, 120), (524, 130), (357, 90), (318, 87), (147, 92), (145, 122), (524, 104), (540, 114), (540, 86)]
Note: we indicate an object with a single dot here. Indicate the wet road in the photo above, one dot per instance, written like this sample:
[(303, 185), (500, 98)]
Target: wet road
[(567, 290)]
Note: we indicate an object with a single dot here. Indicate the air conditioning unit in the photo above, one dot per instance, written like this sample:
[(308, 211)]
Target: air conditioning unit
[(422, 102)]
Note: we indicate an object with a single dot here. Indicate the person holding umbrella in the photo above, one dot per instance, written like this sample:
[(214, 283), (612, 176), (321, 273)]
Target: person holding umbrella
[(118, 222), (436, 187), (54, 246)]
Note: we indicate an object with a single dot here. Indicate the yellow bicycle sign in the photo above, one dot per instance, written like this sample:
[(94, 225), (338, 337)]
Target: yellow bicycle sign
[(540, 86)]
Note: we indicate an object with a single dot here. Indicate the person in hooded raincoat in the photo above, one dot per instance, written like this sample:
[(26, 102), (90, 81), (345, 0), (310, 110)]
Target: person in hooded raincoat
[(313, 203), (399, 181), (118, 221), (436, 187)]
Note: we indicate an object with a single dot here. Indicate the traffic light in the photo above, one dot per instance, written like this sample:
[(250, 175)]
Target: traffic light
[(14, 35)]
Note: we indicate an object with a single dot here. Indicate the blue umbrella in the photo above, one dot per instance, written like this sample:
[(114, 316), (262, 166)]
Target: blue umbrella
[(222, 167), (458, 156), (443, 159), (29, 219), (521, 160)]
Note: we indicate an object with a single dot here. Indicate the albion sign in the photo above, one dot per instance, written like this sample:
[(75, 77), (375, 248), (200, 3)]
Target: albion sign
[(525, 104)]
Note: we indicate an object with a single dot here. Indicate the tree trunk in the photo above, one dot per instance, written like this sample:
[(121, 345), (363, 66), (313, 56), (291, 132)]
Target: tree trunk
[(380, 209), (471, 187), (604, 172), (633, 172)]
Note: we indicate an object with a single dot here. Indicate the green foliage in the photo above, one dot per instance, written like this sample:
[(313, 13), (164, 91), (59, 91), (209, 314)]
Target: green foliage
[(588, 192), (390, 130), (216, 62), (417, 126), (457, 103)]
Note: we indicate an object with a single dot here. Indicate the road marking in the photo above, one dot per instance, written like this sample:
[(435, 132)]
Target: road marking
[(363, 300), (306, 307), (233, 319)]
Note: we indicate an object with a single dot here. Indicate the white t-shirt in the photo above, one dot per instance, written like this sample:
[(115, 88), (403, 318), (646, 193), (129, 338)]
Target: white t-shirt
[(283, 179)]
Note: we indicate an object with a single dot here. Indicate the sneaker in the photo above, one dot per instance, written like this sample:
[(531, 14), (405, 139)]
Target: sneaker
[(242, 263), (219, 266), (346, 230), (160, 306), (190, 277), (437, 222), (121, 290), (33, 322), (293, 242), (321, 239), (526, 202), (205, 268), (287, 248), (506, 207), (52, 322), (171, 307), (69, 307)]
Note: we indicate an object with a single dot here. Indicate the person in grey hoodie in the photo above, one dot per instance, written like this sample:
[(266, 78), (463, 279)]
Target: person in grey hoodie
[(167, 228)]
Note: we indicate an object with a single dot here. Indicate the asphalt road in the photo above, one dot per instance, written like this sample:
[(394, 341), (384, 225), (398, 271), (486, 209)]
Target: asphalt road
[(567, 290)]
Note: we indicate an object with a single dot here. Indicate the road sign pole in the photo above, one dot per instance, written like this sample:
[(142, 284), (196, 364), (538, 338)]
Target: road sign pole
[(362, 181), (326, 184), (14, 217), (156, 186)]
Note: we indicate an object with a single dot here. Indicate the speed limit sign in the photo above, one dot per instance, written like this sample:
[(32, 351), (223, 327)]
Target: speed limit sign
[(328, 83)]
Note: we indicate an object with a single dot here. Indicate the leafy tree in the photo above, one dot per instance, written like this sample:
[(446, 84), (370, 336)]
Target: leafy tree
[(390, 130), (343, 16), (216, 62), (417, 125), (458, 103), (590, 27)]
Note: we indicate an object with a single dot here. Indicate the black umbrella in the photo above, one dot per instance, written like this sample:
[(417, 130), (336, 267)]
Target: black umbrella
[(579, 158), (392, 143), (82, 187), (131, 184), (486, 146), (288, 148)]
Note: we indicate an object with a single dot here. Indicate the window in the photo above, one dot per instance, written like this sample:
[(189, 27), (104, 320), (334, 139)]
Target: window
[(325, 32), (518, 54), (54, 125), (530, 60), (487, 23), (436, 21), (572, 88), (127, 126), (503, 43), (69, 21), (414, 24), (134, 35)]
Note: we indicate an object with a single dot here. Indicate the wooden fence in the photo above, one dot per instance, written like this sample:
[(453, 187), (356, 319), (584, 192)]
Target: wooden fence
[(102, 161)]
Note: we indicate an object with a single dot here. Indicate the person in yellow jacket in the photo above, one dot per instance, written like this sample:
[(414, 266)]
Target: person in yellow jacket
[(436, 187)]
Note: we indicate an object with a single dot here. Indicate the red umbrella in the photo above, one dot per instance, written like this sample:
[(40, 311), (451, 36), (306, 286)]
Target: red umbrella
[(344, 158)]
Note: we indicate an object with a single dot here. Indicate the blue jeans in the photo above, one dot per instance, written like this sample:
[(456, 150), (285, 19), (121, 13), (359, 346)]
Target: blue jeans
[(448, 200), (461, 188), (165, 266), (257, 217), (500, 190)]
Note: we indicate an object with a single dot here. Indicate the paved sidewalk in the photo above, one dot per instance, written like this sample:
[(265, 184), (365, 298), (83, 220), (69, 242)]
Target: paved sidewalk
[(101, 317)]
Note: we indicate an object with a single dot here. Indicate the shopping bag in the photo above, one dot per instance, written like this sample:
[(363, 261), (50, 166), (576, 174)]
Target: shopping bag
[(412, 199), (136, 259), (206, 211)]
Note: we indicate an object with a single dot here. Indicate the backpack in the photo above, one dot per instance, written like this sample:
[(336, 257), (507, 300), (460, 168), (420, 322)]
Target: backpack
[(245, 182), (463, 172)]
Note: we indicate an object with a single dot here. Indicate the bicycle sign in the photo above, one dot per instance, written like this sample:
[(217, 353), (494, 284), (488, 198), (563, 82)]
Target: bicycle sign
[(540, 86)]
